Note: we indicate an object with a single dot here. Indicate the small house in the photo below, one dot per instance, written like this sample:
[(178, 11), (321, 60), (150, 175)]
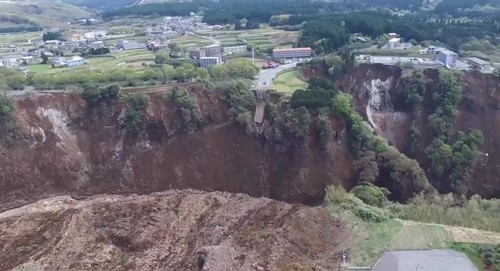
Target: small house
[(479, 64)]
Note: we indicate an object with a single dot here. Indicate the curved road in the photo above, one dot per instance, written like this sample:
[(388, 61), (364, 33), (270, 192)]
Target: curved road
[(266, 76)]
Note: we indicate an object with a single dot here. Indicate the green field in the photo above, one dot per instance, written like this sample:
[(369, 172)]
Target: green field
[(288, 82), (124, 59), (262, 38)]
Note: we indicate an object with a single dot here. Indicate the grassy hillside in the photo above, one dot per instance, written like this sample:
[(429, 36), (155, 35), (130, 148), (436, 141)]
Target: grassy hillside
[(375, 229), (45, 13)]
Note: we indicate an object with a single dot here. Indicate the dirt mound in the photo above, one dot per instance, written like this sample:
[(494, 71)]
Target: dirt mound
[(175, 230)]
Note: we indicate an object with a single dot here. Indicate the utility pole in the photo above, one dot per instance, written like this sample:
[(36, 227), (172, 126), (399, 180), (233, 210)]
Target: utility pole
[(253, 55)]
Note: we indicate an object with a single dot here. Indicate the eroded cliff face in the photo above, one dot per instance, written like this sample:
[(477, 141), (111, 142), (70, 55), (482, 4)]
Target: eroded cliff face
[(379, 96), (64, 146)]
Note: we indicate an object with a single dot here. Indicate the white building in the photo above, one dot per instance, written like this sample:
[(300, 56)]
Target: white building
[(75, 61), (479, 64), (229, 50), (394, 43), (447, 58), (210, 61)]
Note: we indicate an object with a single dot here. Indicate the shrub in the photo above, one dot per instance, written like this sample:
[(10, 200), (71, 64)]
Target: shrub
[(371, 194), (370, 214), (6, 109)]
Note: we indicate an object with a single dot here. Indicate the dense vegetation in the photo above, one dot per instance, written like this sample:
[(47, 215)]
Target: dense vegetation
[(188, 108), (370, 203), (6, 109), (135, 113), (241, 100), (93, 94), (15, 23), (319, 94), (481, 254), (330, 32)]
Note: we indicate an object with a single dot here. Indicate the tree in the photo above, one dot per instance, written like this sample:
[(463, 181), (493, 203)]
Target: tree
[(174, 47), (219, 72), (169, 72), (6, 108), (242, 68), (15, 81), (202, 73), (45, 59), (162, 58), (51, 36)]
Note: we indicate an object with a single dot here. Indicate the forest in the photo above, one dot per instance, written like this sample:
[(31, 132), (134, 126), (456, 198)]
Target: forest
[(333, 30)]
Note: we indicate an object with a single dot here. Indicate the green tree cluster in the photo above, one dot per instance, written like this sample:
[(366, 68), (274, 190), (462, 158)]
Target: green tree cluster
[(414, 87), (188, 108), (445, 101), (318, 94), (6, 109), (324, 127), (10, 79), (93, 95), (454, 163), (297, 122), (135, 113)]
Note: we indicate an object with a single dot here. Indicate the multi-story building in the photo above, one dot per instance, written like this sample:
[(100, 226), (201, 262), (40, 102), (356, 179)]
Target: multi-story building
[(210, 61), (394, 43), (197, 53), (212, 50), (479, 64), (292, 52), (75, 61), (229, 50), (447, 58)]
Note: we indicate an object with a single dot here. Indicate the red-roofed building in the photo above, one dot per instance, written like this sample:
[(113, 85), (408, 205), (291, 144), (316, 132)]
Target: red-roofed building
[(292, 52)]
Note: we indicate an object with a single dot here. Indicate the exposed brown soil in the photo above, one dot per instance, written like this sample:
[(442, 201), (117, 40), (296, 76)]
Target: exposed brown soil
[(63, 146), (169, 231), (479, 109)]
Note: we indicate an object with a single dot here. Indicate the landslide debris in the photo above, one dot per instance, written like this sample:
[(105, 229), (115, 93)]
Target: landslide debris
[(174, 230)]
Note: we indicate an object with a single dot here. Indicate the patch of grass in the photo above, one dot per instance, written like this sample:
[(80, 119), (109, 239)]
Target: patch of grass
[(471, 251), (39, 68), (288, 82)]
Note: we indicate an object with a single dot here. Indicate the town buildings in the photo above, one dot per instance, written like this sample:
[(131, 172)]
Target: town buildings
[(292, 52), (130, 45), (197, 54), (212, 50), (229, 50), (447, 58), (210, 61), (74, 61)]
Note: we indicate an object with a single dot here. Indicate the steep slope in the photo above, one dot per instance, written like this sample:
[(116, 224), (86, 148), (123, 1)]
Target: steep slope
[(380, 97), (186, 230), (64, 146)]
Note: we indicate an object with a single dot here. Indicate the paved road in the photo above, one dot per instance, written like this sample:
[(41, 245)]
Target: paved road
[(266, 76)]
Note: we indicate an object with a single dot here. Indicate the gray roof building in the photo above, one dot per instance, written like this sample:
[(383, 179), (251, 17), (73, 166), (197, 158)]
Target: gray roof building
[(424, 260)]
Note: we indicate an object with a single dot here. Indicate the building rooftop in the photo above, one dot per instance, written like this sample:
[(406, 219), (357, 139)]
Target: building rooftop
[(395, 40), (291, 49), (478, 61), (447, 52), (424, 260)]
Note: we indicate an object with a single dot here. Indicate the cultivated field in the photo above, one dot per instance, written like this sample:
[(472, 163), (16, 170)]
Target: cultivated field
[(260, 38)]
